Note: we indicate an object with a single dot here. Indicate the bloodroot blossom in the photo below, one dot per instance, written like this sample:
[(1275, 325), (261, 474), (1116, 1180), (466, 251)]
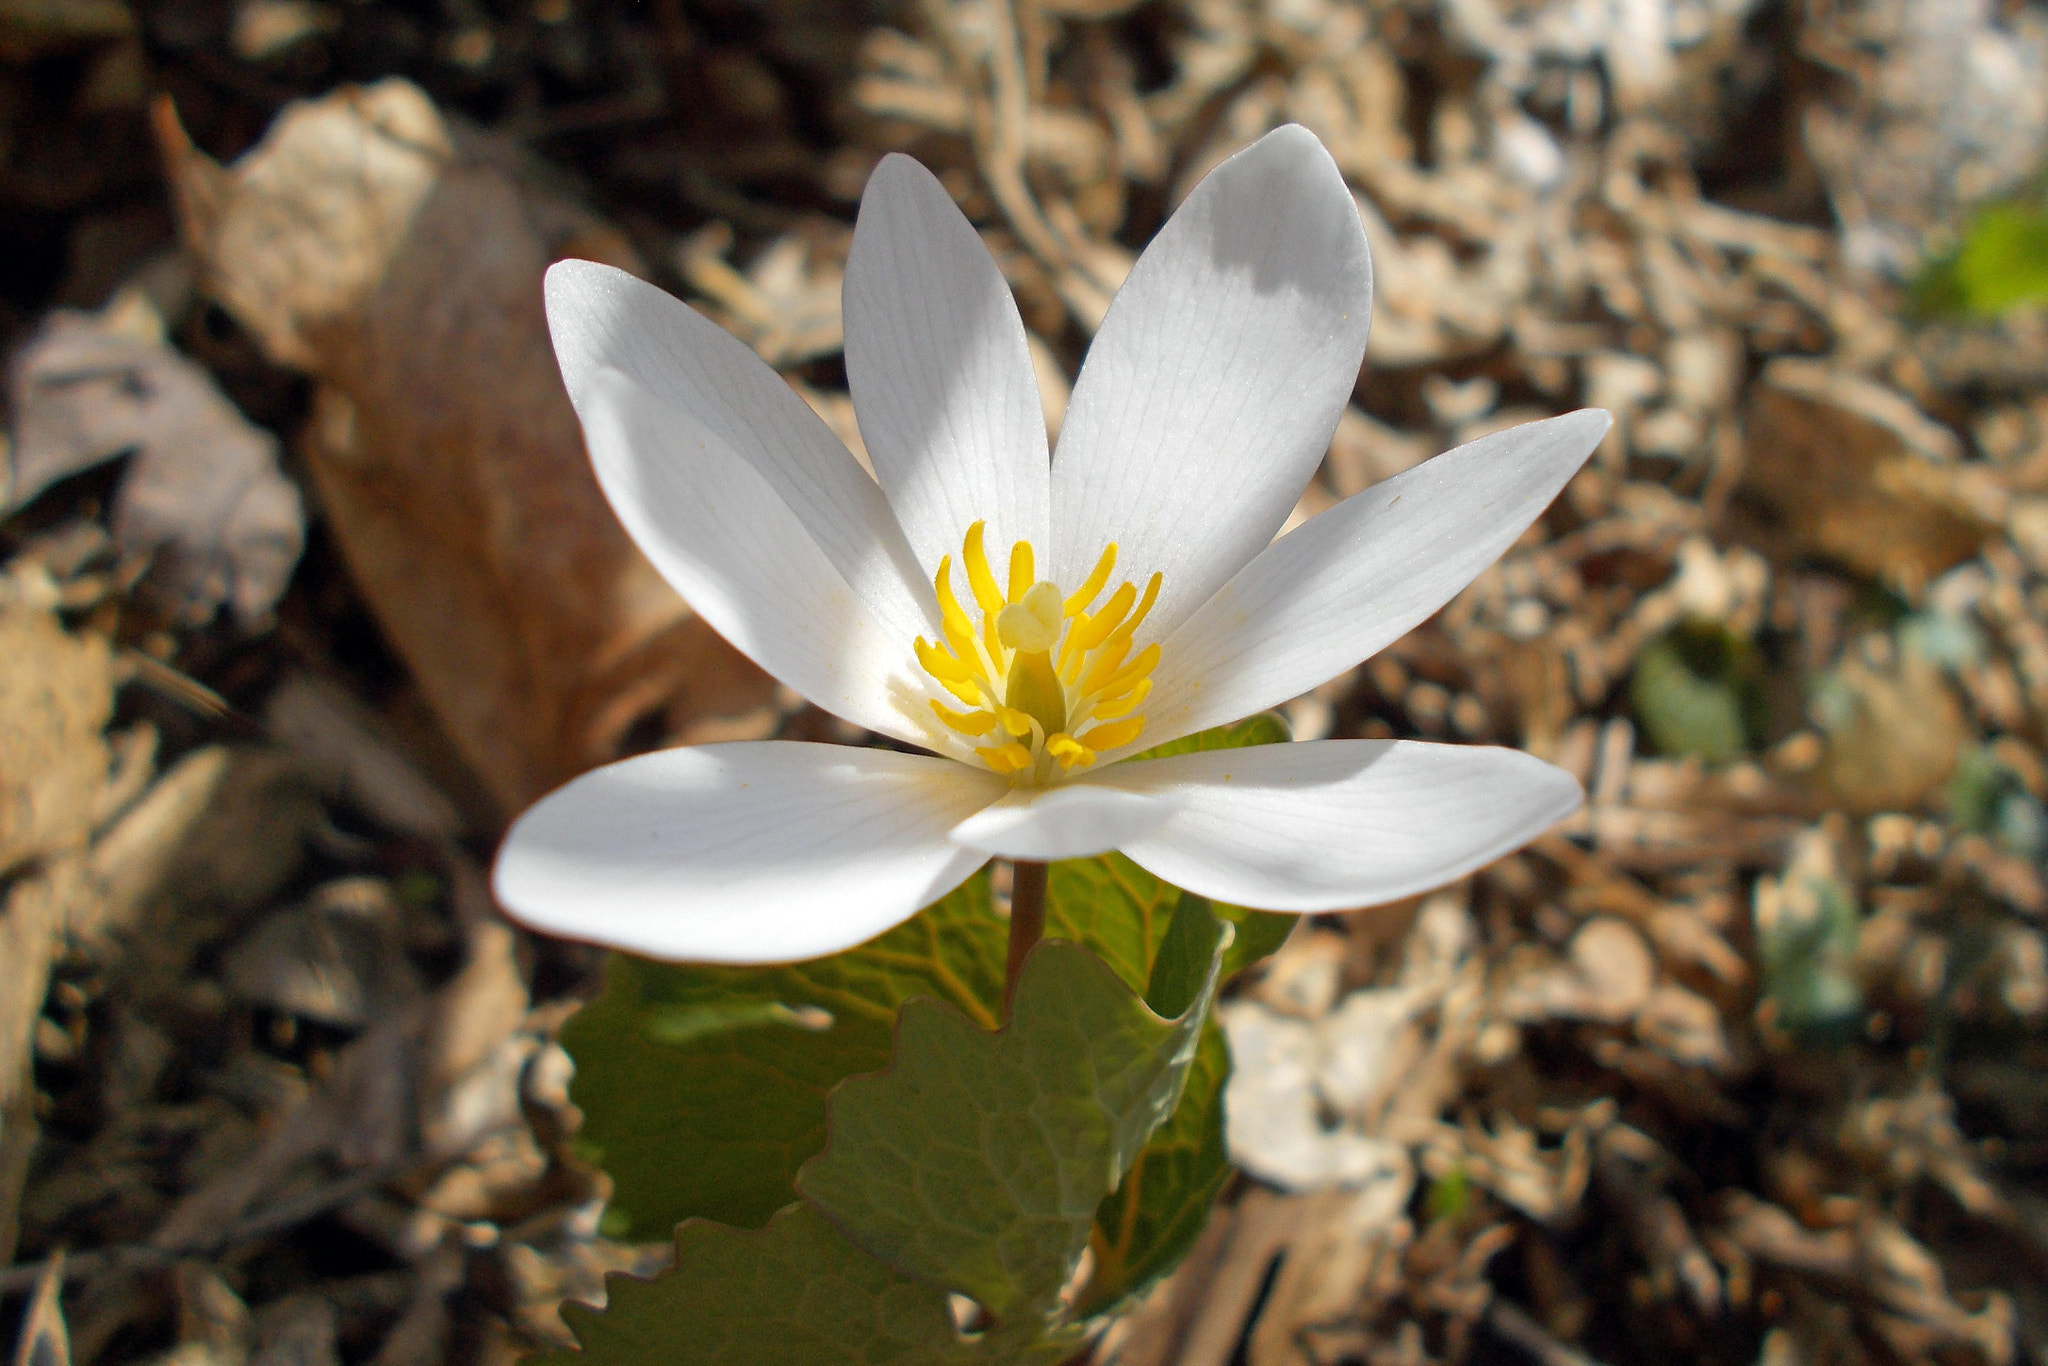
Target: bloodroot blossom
[(1031, 623)]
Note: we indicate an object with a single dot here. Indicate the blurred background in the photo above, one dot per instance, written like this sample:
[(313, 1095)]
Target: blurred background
[(305, 588)]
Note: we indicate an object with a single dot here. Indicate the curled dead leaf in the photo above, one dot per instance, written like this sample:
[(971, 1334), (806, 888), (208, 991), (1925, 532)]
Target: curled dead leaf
[(398, 259), (203, 491)]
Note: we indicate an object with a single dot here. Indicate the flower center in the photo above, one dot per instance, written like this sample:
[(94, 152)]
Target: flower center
[(1049, 684)]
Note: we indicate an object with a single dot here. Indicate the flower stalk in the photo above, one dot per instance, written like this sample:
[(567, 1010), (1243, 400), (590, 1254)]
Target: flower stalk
[(1027, 922)]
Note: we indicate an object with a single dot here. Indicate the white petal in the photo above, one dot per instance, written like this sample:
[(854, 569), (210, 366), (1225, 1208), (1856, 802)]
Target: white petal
[(1331, 824), (742, 853), (1347, 583), (941, 373), (741, 556), (601, 317), (1212, 388), (1077, 820)]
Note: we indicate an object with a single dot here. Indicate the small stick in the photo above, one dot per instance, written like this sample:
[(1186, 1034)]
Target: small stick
[(1027, 922)]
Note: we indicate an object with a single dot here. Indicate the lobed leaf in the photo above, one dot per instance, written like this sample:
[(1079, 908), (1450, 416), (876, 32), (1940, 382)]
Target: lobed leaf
[(977, 1162), (796, 1291), (1145, 1226), (732, 1066), (703, 1088)]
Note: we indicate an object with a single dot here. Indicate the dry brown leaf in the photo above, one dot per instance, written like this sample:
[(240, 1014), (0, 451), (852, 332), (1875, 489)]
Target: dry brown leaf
[(785, 304), (339, 959), (1894, 730), (1607, 977), (346, 753), (203, 492), (56, 695), (426, 1083), (399, 260), (1861, 475), (1344, 1247)]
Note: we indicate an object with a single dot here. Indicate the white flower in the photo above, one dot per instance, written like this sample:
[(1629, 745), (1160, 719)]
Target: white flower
[(1031, 623)]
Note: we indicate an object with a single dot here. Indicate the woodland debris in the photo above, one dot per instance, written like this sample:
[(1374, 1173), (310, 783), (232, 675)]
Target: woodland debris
[(1860, 475), (203, 492), (398, 260), (1739, 1064)]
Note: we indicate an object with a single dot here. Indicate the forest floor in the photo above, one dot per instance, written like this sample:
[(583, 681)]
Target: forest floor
[(305, 589)]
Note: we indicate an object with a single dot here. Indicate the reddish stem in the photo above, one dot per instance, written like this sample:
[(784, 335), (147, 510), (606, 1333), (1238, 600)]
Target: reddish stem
[(1027, 923)]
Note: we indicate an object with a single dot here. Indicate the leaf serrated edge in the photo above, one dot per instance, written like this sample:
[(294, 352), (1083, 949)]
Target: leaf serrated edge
[(1204, 999)]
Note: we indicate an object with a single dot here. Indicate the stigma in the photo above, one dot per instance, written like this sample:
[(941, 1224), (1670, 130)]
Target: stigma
[(1046, 679)]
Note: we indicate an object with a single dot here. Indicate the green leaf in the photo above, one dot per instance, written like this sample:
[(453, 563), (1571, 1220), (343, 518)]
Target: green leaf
[(1185, 960), (977, 1162), (1145, 1227), (795, 1292), (1266, 728), (703, 1088), (1258, 932), (1121, 911), (1696, 690), (2000, 264)]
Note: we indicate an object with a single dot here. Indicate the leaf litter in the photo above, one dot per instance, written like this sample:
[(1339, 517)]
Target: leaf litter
[(1743, 1064)]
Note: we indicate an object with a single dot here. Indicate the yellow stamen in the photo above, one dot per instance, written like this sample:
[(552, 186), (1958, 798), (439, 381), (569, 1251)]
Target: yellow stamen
[(1129, 673), (1035, 661), (1092, 585), (1107, 660), (1114, 734), (1145, 605), (1018, 723), (1069, 751), (970, 693), (967, 722), (1120, 639), (979, 579), (1122, 706), (959, 632), (941, 665), (1021, 577), (1009, 758), (982, 583), (1093, 629)]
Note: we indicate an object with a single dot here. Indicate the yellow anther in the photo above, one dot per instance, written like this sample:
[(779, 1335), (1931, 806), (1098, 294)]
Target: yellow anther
[(941, 665), (1107, 660), (1024, 660), (1120, 639), (1009, 758), (1130, 673), (970, 693), (1114, 734), (1021, 577), (1145, 604), (966, 722), (959, 631), (1031, 622), (1070, 752), (979, 579), (1016, 722), (1092, 585), (1093, 629), (1123, 706)]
